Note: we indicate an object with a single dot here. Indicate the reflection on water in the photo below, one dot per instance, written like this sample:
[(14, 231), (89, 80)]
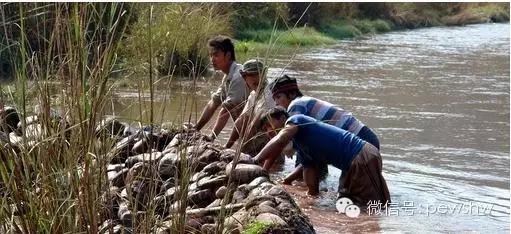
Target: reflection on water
[(439, 100)]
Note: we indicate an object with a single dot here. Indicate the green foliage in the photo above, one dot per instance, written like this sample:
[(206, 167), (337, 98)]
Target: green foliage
[(298, 36), (258, 35), (258, 227), (260, 15), (178, 34), (382, 25), (496, 12), (365, 26), (44, 33), (304, 37), (341, 30)]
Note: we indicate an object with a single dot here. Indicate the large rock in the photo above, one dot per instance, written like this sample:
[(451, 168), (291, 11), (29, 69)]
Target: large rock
[(167, 165), (9, 119), (149, 158), (212, 182), (201, 198), (244, 173), (110, 127), (122, 149), (118, 177), (271, 218)]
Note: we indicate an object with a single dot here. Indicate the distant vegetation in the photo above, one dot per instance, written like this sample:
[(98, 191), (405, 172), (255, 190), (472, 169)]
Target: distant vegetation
[(179, 30)]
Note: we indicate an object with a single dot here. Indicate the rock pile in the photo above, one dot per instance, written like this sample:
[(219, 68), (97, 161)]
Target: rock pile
[(192, 176), (184, 183)]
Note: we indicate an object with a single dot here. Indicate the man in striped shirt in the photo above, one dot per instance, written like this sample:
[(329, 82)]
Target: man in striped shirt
[(286, 93)]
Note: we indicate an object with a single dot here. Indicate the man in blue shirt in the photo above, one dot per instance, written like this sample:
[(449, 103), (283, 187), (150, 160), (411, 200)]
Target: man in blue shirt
[(318, 144), (286, 93)]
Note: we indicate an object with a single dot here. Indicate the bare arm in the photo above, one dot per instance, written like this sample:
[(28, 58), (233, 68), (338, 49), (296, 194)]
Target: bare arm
[(206, 115), (275, 146), (239, 124), (221, 121)]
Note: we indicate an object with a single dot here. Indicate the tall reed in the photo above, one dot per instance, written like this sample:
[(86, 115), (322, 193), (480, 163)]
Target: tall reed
[(55, 178)]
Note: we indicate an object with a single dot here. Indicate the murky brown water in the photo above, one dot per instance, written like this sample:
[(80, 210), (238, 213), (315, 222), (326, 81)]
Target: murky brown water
[(439, 100)]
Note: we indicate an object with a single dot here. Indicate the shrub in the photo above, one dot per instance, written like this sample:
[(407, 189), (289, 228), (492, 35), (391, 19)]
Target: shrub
[(179, 32)]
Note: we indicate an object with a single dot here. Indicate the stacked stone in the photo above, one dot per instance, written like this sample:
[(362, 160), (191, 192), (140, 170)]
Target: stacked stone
[(192, 176), (175, 177)]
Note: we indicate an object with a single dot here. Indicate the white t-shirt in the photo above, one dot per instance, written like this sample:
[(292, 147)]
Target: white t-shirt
[(262, 105)]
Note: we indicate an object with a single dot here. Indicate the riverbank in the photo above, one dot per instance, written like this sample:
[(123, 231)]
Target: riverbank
[(173, 35), (256, 43)]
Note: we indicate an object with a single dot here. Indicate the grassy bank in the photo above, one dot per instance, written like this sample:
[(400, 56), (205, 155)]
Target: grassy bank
[(180, 30), (391, 16), (266, 43)]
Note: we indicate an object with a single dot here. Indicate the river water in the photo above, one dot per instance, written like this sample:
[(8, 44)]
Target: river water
[(438, 98)]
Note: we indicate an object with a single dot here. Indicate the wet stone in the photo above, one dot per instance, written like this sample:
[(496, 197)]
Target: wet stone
[(110, 127), (238, 196), (147, 158), (263, 208), (201, 198), (257, 200), (215, 203), (212, 183), (107, 226), (244, 173), (115, 167), (169, 183), (167, 166), (220, 192), (271, 218), (119, 178), (10, 119), (256, 182), (122, 150), (213, 168), (197, 176)]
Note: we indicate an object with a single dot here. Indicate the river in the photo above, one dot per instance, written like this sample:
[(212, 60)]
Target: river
[(438, 98)]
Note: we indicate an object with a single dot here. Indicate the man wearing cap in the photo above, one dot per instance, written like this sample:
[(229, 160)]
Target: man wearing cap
[(319, 143), (259, 101), (233, 91), (286, 93)]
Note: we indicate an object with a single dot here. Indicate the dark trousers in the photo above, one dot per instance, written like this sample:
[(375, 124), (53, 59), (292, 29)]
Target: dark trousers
[(363, 181), (369, 136)]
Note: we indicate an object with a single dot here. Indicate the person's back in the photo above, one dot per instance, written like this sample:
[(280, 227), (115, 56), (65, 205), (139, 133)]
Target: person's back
[(316, 141), (325, 112), (287, 94)]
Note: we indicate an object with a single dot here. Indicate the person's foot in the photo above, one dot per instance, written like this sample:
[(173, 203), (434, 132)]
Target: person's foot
[(287, 182), (313, 193)]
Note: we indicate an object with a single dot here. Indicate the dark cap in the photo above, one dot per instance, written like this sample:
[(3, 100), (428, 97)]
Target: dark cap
[(283, 84), (252, 66)]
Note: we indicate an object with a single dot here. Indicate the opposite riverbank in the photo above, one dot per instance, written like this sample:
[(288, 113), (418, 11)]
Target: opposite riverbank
[(173, 35), (385, 17)]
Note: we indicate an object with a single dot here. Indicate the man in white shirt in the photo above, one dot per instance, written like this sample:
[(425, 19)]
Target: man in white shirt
[(259, 102), (232, 93)]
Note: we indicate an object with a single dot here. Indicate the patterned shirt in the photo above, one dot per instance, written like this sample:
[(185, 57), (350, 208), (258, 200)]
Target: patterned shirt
[(325, 112)]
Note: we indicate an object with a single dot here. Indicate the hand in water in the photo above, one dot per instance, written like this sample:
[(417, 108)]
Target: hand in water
[(286, 182)]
